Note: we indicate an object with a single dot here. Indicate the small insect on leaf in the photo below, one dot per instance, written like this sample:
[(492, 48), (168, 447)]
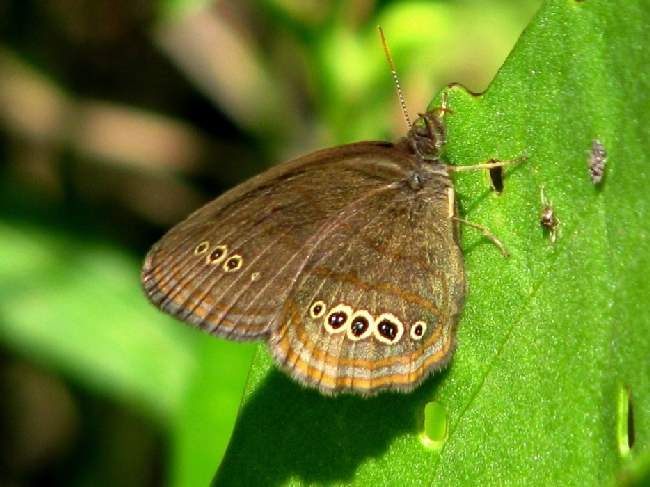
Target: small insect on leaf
[(547, 218), (596, 161)]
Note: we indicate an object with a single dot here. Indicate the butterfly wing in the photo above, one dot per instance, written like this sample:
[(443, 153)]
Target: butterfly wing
[(339, 227)]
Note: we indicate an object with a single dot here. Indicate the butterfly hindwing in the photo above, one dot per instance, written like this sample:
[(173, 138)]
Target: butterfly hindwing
[(373, 310)]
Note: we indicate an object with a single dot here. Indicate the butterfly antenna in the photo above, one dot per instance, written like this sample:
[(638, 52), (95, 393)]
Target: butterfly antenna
[(393, 71)]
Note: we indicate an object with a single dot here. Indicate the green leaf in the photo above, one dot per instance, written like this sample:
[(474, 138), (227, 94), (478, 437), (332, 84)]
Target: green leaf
[(549, 336)]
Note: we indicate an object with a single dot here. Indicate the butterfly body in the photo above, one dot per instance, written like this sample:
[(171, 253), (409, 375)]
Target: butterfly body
[(346, 261)]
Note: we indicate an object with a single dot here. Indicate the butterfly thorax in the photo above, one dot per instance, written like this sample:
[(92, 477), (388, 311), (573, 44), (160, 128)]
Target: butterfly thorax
[(424, 141)]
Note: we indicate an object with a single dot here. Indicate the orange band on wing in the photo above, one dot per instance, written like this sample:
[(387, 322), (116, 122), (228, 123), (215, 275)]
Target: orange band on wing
[(328, 359), (320, 377)]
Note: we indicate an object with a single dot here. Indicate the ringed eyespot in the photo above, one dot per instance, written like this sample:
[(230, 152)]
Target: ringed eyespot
[(202, 248), (360, 326), (389, 329), (337, 319), (418, 329), (317, 309), (233, 263), (217, 255)]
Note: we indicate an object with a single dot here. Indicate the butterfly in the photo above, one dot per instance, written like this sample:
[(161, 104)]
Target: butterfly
[(346, 261)]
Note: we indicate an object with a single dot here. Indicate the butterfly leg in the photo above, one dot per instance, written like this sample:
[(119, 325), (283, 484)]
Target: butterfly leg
[(491, 164), (476, 167), (485, 231), (489, 235)]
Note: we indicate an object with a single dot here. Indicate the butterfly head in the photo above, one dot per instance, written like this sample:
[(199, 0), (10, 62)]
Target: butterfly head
[(427, 135)]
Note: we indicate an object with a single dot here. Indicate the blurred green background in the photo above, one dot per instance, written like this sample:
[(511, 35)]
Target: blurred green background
[(117, 118)]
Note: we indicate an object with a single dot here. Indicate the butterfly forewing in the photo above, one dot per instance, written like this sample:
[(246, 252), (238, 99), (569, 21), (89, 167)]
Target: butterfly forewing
[(227, 268)]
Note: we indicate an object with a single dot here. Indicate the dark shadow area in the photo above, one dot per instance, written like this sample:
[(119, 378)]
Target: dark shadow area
[(630, 424), (286, 431), (496, 176)]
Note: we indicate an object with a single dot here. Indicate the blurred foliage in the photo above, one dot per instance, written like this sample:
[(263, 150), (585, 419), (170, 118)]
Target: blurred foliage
[(117, 118)]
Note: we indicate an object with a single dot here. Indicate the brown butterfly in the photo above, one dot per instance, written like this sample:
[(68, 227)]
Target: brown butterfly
[(345, 261)]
